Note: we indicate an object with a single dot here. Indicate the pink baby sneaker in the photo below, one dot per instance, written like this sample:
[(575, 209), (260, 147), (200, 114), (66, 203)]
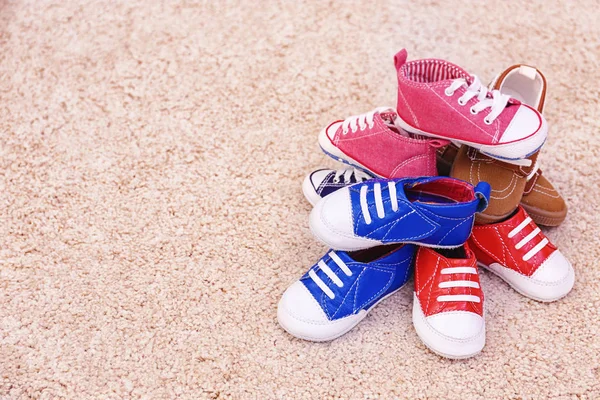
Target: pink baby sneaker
[(374, 143), (439, 99)]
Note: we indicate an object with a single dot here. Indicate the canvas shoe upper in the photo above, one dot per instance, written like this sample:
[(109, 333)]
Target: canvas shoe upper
[(361, 140), (440, 99), (435, 211), (322, 182), (448, 312), (338, 291), (518, 251)]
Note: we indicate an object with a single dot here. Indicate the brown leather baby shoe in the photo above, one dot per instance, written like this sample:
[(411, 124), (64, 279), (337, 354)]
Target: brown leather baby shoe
[(511, 184), (542, 202), (507, 181), (540, 199)]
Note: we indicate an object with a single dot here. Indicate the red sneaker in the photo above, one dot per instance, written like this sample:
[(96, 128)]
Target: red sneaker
[(448, 302), (517, 251)]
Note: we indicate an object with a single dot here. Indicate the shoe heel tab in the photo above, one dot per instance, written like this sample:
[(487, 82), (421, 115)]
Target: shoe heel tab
[(482, 192), (400, 58)]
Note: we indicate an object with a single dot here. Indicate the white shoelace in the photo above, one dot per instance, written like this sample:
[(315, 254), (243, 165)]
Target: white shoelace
[(348, 172), (329, 272), (378, 200), (456, 284), (528, 238), (496, 103), (362, 121)]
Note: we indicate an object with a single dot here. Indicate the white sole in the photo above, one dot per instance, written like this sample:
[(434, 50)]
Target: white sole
[(309, 191), (287, 322), (520, 283), (442, 345), (508, 152)]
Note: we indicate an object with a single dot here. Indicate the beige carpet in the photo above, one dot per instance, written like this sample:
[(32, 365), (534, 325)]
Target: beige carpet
[(151, 158)]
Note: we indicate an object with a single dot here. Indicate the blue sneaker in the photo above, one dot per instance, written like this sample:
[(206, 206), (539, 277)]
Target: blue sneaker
[(340, 290), (322, 182), (432, 211)]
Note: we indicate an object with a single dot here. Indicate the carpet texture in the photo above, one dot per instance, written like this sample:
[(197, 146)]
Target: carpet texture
[(151, 161)]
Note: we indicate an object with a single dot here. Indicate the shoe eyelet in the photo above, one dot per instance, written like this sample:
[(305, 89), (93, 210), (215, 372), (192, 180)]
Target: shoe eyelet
[(473, 111), (448, 93), (487, 121), (336, 180), (354, 130), (461, 102), (344, 132)]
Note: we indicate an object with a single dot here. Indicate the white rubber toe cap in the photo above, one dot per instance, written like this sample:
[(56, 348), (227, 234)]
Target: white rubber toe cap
[(332, 129), (452, 334), (554, 279), (331, 223), (526, 122), (311, 183), (456, 325), (299, 314)]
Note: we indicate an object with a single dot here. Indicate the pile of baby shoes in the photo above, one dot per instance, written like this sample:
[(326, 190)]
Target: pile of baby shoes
[(390, 213)]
